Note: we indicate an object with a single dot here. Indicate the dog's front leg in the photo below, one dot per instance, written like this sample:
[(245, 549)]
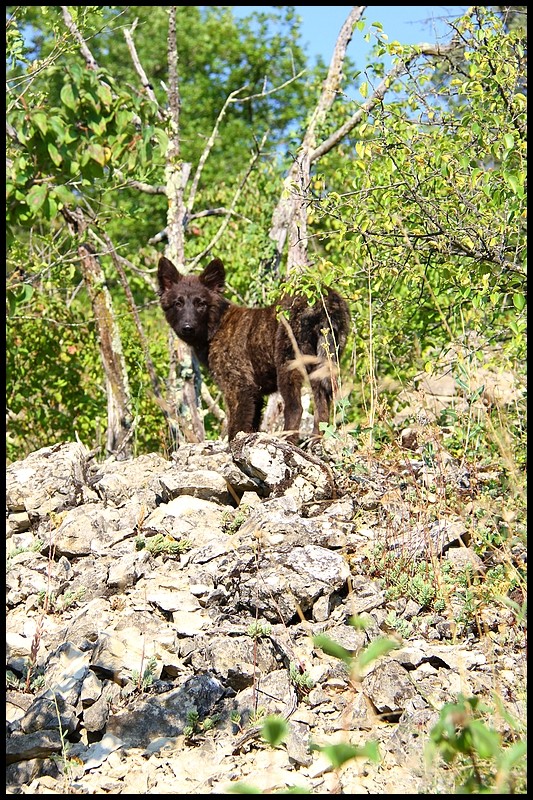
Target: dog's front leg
[(243, 410)]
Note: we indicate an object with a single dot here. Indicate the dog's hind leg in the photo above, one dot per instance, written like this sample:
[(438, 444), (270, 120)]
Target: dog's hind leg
[(290, 387), (322, 395)]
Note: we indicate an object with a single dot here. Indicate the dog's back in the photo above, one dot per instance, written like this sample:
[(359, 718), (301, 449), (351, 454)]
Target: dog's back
[(252, 352)]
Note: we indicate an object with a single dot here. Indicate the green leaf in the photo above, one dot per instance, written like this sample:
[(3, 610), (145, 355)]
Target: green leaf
[(55, 155), (162, 139), (41, 121), (508, 141), (67, 97), (513, 181), (274, 730), (375, 650), (58, 127), (513, 756), (364, 89), (104, 93), (486, 741), (519, 301), (338, 754), (242, 788), (331, 648), (24, 294), (97, 153), (36, 197)]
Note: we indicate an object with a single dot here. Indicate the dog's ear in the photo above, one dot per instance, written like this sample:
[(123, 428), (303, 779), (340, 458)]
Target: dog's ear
[(214, 275), (167, 274)]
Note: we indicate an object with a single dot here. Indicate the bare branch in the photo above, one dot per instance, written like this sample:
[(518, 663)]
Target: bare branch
[(175, 172), (232, 98), (400, 68), (208, 147), (265, 93), (147, 86), (289, 219), (73, 28), (334, 77), (218, 212), (238, 192), (147, 188)]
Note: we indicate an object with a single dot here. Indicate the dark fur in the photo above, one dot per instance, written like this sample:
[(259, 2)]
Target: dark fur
[(248, 351)]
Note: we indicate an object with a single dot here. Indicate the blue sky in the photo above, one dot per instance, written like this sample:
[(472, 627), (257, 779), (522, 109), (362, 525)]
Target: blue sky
[(406, 24)]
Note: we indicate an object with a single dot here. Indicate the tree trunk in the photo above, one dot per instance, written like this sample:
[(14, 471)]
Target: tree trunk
[(183, 378), (119, 419), (289, 220)]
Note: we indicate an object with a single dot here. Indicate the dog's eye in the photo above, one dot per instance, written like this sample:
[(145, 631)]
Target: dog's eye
[(199, 303), (178, 302)]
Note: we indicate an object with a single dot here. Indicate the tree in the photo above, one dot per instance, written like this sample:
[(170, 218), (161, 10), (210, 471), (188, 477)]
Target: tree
[(405, 195)]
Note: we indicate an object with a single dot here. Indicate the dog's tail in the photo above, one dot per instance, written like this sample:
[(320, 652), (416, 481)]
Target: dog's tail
[(333, 336)]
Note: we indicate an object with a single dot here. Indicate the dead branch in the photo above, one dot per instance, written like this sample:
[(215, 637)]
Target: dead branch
[(289, 219), (207, 149), (147, 86), (218, 235), (72, 27), (399, 69)]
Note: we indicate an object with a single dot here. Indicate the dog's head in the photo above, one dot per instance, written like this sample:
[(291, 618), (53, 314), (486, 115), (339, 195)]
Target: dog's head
[(190, 301)]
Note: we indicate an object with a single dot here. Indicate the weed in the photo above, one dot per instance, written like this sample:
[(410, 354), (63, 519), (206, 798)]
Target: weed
[(258, 629), (232, 520), (257, 716), (195, 728), (31, 680), (300, 678), (486, 761), (57, 604), (402, 626), (144, 678), (33, 548), (160, 543), (65, 763)]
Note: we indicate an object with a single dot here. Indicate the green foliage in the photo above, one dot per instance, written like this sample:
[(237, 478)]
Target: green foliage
[(274, 730), (35, 547), (258, 629), (162, 544), (232, 520), (425, 223), (485, 761), (31, 680), (300, 678), (54, 604), (143, 680), (417, 216), (338, 754), (194, 727)]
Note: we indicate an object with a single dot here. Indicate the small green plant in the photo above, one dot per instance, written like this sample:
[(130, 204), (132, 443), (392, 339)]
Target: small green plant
[(300, 678), (236, 720), (63, 760), (257, 716), (403, 626), (232, 520), (486, 762), (160, 543), (258, 629), (145, 679), (274, 730), (195, 728), (57, 604), (33, 548), (32, 678)]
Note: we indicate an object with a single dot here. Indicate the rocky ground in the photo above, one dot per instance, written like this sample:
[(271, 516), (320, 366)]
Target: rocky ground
[(159, 610)]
